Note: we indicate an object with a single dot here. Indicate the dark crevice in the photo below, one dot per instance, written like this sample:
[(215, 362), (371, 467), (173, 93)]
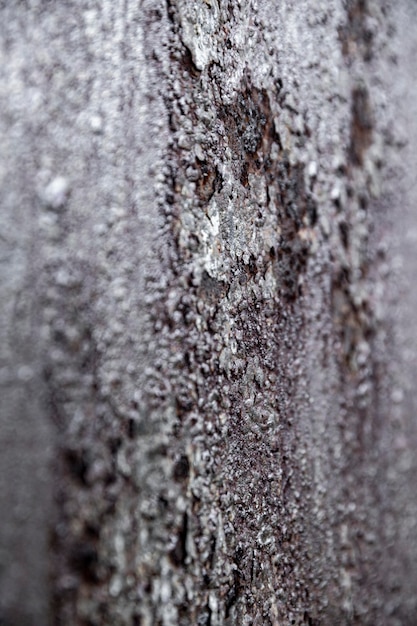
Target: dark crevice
[(179, 552), (361, 125)]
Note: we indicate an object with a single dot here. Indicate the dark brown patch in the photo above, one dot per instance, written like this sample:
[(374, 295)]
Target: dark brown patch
[(250, 127), (352, 322), (355, 36), (361, 125), (250, 130), (181, 468), (208, 183)]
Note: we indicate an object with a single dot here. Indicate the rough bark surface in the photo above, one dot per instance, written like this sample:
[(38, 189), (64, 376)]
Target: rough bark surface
[(208, 324)]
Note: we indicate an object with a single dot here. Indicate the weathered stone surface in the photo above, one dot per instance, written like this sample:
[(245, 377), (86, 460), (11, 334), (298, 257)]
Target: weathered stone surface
[(208, 323)]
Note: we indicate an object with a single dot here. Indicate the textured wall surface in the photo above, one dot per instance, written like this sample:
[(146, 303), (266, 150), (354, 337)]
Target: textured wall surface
[(208, 317)]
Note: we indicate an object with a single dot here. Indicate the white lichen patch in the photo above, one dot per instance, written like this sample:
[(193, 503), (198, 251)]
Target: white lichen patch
[(55, 195), (200, 22)]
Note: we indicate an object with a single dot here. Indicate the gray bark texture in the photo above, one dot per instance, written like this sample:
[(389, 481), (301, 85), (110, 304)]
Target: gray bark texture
[(208, 320)]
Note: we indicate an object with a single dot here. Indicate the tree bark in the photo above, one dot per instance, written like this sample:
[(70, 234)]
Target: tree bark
[(208, 319)]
